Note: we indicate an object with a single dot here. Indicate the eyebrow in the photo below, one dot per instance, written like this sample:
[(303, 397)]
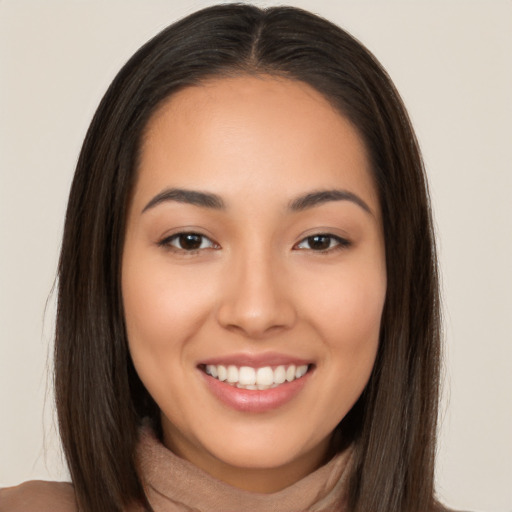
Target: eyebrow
[(181, 195), (213, 201), (324, 196)]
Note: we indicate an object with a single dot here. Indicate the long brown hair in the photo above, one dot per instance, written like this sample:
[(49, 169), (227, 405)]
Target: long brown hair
[(100, 399)]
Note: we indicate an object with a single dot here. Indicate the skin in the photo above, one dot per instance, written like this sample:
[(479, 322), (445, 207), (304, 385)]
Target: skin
[(256, 284)]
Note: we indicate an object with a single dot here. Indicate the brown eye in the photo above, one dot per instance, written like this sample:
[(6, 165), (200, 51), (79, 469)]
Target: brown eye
[(319, 242), (322, 242), (188, 242)]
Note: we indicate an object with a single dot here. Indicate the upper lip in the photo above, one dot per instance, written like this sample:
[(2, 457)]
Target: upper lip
[(256, 360)]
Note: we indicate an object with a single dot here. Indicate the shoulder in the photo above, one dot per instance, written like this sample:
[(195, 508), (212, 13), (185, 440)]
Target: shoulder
[(38, 496)]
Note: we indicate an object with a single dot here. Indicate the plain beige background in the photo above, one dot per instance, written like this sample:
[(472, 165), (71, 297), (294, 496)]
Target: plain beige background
[(452, 62)]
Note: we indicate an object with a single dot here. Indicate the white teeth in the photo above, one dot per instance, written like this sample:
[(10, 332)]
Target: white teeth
[(265, 376), (300, 371), (232, 374), (247, 377), (290, 373), (222, 373), (212, 370), (279, 374), (247, 386)]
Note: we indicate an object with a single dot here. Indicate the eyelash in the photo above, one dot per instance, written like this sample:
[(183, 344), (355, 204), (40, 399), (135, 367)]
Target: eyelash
[(168, 241), (339, 243)]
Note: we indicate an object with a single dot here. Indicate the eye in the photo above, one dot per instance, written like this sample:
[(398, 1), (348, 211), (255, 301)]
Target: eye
[(322, 242), (188, 242)]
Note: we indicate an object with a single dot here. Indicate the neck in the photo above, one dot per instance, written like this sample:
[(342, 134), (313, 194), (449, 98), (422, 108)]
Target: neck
[(259, 480)]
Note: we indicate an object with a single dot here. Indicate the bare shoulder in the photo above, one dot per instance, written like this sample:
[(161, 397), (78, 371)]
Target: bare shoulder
[(38, 496)]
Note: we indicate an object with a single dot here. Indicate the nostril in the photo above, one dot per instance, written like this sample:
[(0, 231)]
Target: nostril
[(256, 320)]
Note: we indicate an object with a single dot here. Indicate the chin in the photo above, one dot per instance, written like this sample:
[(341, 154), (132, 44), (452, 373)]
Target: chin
[(264, 449)]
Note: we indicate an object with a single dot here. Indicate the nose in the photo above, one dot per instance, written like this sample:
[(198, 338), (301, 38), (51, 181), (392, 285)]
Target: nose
[(256, 300)]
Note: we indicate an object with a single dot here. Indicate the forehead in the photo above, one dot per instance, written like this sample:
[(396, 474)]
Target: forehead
[(252, 131)]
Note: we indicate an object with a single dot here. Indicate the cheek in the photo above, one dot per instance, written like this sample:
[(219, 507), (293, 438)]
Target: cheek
[(353, 337), (347, 307), (163, 309), (352, 347), (347, 313)]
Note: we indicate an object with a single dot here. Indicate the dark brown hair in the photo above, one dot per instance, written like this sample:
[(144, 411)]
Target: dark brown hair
[(100, 399)]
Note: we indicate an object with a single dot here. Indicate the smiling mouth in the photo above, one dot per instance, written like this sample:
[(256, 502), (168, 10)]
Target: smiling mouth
[(250, 378)]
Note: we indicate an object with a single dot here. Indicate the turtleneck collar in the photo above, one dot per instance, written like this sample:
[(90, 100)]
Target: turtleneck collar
[(175, 485)]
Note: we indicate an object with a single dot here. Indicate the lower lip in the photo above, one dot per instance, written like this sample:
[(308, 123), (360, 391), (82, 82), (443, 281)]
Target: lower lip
[(248, 400)]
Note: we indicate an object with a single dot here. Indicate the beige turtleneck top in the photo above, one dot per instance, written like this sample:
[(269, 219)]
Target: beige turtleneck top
[(175, 485)]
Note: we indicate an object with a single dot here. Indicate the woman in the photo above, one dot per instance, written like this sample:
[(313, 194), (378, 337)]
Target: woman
[(249, 210)]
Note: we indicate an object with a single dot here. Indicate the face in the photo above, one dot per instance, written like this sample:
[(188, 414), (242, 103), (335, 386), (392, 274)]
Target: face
[(253, 276)]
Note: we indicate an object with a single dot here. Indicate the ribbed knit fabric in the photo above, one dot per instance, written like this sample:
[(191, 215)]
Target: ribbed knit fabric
[(175, 485)]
